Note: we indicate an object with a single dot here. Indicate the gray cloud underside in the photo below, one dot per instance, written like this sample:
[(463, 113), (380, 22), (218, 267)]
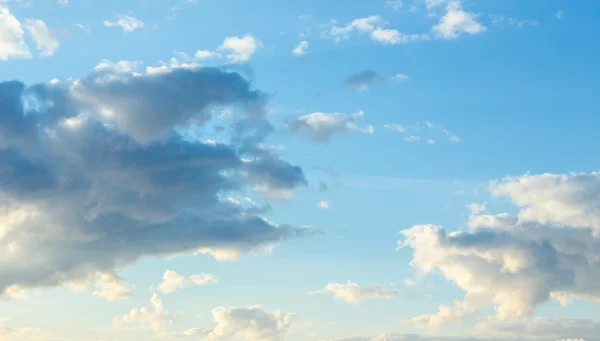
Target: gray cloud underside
[(93, 176)]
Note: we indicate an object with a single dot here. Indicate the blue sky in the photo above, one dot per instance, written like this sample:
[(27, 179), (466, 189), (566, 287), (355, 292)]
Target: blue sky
[(299, 170)]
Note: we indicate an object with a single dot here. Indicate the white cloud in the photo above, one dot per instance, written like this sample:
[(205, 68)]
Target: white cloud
[(400, 77), (172, 281), (456, 21), (13, 292), (394, 4), (300, 50), (395, 127), (394, 37), (320, 127), (412, 139), (373, 25), (111, 287), (514, 264), (45, 40), (128, 23), (154, 318), (499, 19), (240, 49), (106, 285), (560, 14), (205, 54), (12, 44), (361, 25), (62, 2), (323, 204), (251, 324), (353, 293)]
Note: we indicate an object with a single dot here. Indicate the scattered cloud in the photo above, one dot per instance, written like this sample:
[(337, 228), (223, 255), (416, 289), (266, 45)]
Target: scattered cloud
[(301, 49), (394, 4), (400, 77), (320, 127), (154, 318), (361, 81), (240, 49), (252, 323), (12, 44), (560, 14), (45, 41), (172, 281), (353, 293), (412, 139), (456, 21), (128, 23), (395, 127), (499, 20), (323, 204), (547, 251), (62, 2)]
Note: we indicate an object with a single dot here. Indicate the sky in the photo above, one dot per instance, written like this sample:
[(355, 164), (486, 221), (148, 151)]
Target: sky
[(315, 170)]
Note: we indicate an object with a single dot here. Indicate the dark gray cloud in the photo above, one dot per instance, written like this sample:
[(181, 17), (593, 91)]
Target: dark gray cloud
[(363, 80), (93, 175)]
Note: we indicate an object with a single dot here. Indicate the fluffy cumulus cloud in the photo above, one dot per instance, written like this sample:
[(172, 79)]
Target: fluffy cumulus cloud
[(250, 324), (172, 281), (301, 49), (154, 317), (12, 44), (456, 21), (320, 127), (354, 293), (45, 40), (94, 174), (127, 22), (240, 49), (548, 250)]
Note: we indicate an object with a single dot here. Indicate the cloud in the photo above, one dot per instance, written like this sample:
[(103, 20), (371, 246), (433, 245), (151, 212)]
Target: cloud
[(300, 50), (95, 175), (172, 281), (360, 25), (323, 204), (499, 19), (320, 127), (353, 293), (547, 251), (400, 77), (412, 139), (62, 2), (372, 25), (45, 40), (456, 22), (12, 44), (395, 127), (361, 81), (250, 323), (154, 318), (394, 4), (205, 54), (13, 292), (394, 37), (560, 14), (240, 49), (128, 23)]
